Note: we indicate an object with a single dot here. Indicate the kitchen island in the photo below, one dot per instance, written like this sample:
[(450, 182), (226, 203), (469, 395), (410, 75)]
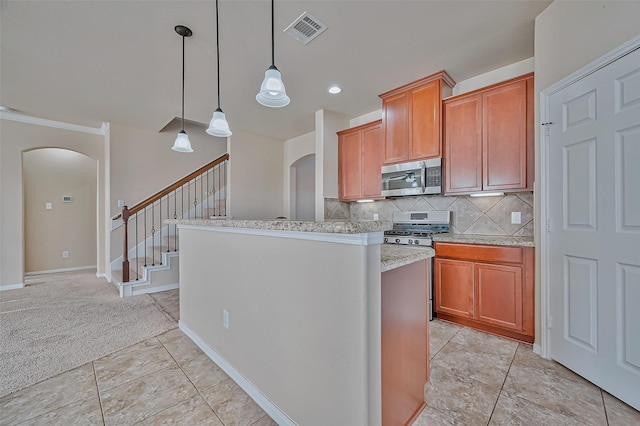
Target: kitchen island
[(295, 313)]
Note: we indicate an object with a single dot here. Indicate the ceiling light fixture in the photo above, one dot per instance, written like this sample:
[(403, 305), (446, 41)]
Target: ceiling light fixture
[(334, 90), (218, 125), (272, 93), (182, 143)]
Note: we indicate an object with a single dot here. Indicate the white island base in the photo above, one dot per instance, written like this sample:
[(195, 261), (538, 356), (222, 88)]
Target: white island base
[(304, 316)]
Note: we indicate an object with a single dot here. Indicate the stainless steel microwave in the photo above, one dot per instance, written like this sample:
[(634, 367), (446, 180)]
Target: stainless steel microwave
[(413, 178)]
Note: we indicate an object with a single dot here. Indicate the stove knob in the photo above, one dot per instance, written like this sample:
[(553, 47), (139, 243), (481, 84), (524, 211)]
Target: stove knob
[(386, 240), (397, 240), (410, 241), (416, 242)]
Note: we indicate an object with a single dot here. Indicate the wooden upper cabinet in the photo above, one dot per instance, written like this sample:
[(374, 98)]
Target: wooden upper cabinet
[(395, 115), (412, 119), (505, 137), (463, 145), (426, 104), (349, 166), (359, 162), (372, 147), (488, 138)]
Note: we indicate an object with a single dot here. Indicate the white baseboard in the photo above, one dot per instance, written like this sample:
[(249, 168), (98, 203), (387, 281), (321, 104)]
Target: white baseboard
[(261, 399), (53, 271), (101, 275), (537, 349), (165, 287), (11, 286)]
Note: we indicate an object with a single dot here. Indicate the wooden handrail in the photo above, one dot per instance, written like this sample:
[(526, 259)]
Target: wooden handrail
[(141, 205)]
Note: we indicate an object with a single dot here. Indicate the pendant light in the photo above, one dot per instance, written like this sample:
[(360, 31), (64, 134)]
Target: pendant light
[(272, 93), (218, 125), (182, 143)]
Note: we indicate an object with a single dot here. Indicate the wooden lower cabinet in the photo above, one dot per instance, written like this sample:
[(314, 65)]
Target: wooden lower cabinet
[(490, 288), (404, 342)]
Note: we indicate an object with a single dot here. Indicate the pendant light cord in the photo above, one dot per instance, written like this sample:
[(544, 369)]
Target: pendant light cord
[(218, 52), (273, 45), (183, 83)]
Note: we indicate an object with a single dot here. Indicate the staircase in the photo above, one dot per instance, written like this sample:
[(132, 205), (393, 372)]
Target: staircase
[(149, 262)]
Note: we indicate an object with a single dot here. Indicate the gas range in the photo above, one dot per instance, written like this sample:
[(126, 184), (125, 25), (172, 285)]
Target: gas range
[(417, 228)]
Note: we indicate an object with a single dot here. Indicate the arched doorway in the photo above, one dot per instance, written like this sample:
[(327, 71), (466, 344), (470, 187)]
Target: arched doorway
[(303, 188), (60, 210)]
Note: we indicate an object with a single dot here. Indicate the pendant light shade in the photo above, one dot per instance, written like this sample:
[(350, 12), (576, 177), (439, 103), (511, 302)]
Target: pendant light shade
[(218, 125), (182, 143), (272, 92)]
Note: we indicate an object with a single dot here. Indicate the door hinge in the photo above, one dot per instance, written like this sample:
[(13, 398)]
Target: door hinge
[(548, 225), (546, 127), (549, 321)]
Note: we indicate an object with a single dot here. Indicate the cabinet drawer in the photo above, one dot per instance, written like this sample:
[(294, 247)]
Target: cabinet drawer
[(480, 253)]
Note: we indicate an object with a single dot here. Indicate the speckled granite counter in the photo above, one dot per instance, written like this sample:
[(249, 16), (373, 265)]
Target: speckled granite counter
[(500, 240), (394, 256), (329, 227)]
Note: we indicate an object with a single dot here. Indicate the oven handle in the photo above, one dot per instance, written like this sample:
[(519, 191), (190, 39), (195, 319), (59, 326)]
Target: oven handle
[(424, 177)]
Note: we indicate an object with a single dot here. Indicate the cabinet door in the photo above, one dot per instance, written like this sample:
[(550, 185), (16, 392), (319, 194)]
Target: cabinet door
[(396, 128), (463, 145), (424, 116), (372, 146), (349, 166), (505, 137), (499, 295), (454, 287)]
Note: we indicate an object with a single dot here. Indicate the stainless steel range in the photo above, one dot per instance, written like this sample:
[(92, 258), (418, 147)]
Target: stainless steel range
[(416, 229)]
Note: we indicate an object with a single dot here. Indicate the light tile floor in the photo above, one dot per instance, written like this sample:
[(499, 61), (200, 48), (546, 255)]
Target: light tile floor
[(476, 379)]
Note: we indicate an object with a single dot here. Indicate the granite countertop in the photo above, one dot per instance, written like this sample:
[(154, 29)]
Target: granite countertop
[(394, 256), (500, 240), (329, 227)]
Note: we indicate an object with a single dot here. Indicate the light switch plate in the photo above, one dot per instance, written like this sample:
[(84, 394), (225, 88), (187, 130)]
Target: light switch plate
[(516, 218), (48, 206), (120, 203)]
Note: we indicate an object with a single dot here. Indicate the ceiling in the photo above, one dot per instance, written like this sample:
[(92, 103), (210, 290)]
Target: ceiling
[(85, 62)]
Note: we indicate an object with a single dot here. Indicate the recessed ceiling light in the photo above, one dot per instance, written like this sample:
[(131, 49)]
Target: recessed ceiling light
[(334, 90)]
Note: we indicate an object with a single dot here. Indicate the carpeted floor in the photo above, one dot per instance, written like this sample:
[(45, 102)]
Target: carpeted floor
[(61, 321)]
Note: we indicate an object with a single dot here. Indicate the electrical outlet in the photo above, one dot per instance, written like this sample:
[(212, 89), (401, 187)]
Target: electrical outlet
[(65, 254), (516, 218), (225, 319), (375, 216)]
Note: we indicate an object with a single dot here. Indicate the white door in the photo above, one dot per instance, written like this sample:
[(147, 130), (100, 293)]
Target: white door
[(594, 229)]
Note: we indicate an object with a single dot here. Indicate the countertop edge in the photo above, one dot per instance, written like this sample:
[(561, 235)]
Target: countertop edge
[(328, 227), (393, 256), (499, 240)]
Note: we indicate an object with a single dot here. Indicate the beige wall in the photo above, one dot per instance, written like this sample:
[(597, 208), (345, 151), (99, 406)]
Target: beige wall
[(142, 162), (306, 335), (15, 138), (256, 180), (568, 36), (48, 175)]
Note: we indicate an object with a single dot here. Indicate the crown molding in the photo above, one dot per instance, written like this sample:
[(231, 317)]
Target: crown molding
[(21, 118)]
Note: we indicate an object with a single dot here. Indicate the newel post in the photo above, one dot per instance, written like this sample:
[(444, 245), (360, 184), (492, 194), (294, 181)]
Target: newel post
[(125, 254)]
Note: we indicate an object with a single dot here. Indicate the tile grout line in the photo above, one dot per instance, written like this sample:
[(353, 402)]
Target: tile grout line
[(192, 384), (503, 382), (95, 376), (604, 407)]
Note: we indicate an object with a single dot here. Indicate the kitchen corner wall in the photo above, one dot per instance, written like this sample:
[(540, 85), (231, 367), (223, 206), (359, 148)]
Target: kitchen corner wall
[(469, 215)]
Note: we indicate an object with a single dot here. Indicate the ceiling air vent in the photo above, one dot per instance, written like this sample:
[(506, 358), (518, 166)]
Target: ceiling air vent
[(305, 28)]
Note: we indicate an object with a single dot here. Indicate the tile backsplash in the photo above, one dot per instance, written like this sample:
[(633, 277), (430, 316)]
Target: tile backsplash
[(469, 215)]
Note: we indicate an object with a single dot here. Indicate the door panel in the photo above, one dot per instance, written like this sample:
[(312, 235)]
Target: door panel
[(372, 162), (454, 287), (505, 137), (594, 229), (463, 145), (350, 166), (426, 101), (396, 128), (499, 295)]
